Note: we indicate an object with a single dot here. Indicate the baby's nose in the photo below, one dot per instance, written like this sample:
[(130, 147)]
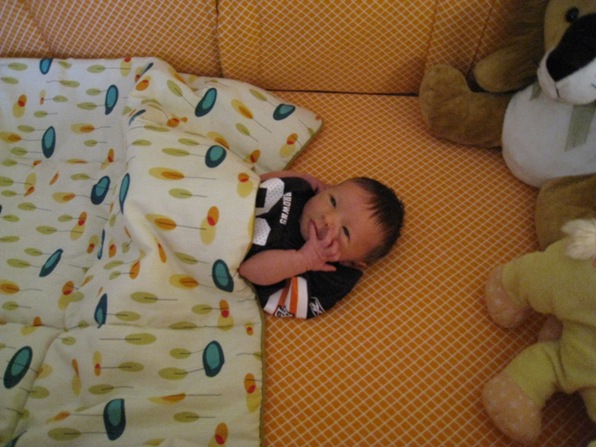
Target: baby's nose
[(329, 226)]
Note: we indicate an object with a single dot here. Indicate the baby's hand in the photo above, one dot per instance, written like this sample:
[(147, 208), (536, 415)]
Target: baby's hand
[(317, 253), (315, 183)]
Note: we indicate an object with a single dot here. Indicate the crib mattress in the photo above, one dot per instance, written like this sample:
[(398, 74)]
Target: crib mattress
[(403, 359)]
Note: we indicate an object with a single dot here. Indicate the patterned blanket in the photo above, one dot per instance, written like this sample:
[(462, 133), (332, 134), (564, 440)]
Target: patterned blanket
[(126, 205)]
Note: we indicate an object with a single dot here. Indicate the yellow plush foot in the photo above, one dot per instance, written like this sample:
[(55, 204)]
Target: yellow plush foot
[(502, 309), (512, 411)]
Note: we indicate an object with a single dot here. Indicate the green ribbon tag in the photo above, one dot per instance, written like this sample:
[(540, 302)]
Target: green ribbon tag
[(579, 125)]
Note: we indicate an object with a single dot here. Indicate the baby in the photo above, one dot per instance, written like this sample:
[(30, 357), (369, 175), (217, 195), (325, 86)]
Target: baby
[(312, 241)]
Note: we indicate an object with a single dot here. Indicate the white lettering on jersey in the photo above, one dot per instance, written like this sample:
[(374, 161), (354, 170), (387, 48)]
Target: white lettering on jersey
[(283, 312), (315, 306), (285, 211)]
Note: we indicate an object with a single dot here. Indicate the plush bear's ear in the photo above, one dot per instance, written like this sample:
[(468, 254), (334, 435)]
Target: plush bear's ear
[(514, 65)]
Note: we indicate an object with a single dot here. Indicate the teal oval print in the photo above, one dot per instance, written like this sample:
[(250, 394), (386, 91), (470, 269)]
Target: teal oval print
[(221, 276), (213, 359), (114, 418), (17, 367), (215, 156), (48, 142), (49, 266), (206, 103), (111, 99), (282, 111)]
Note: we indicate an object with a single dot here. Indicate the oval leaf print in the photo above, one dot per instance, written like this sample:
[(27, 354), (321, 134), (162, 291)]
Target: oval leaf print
[(51, 263), (146, 69), (123, 191), (215, 156), (174, 88), (114, 418), (100, 190), (221, 276), (101, 311), (282, 111), (111, 99), (206, 103), (213, 359), (135, 115), (48, 142), (44, 65), (17, 367)]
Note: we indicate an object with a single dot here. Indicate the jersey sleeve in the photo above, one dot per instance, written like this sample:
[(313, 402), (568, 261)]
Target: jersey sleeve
[(291, 300), (308, 295)]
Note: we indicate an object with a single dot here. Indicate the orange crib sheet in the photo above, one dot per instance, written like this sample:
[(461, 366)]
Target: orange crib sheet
[(402, 360)]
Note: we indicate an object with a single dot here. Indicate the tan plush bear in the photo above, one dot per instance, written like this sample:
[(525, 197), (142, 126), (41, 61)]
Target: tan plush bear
[(547, 128), (562, 200), (561, 282)]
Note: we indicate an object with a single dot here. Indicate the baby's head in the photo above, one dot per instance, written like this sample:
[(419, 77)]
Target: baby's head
[(388, 212), (364, 216)]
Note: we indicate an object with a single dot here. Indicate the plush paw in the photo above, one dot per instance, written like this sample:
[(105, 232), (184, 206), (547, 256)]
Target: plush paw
[(512, 411), (443, 95), (451, 110), (501, 308)]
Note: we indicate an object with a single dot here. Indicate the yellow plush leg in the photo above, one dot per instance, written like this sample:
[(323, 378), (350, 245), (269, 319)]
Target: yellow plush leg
[(501, 308), (514, 399), (589, 397), (511, 410)]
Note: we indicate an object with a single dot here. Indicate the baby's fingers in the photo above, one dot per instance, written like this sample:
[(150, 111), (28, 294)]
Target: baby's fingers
[(312, 232), (331, 253), (328, 268)]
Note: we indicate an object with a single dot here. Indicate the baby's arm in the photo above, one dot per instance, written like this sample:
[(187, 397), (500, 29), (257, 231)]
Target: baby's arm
[(316, 184), (272, 266)]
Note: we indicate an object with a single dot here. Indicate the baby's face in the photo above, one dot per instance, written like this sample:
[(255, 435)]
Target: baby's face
[(344, 211)]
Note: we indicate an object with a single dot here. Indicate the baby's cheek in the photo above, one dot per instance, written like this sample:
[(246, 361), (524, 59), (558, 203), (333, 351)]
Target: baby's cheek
[(303, 229), (341, 253)]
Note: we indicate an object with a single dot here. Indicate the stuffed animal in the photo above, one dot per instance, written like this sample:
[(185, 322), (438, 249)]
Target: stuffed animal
[(560, 281), (547, 128), (561, 200)]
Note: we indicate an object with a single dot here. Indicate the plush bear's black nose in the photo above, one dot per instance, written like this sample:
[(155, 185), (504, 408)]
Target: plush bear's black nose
[(576, 49)]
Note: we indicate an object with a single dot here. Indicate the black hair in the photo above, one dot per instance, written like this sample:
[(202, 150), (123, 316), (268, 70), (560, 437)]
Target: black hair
[(389, 212)]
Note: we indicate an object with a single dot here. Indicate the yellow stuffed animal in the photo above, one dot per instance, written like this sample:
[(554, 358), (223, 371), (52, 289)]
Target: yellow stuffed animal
[(561, 282), (547, 131), (547, 128)]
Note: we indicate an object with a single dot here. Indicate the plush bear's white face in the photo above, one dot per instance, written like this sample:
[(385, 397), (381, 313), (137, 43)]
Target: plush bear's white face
[(568, 70), (577, 88)]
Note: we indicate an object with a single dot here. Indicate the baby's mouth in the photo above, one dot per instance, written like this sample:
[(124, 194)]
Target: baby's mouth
[(321, 231)]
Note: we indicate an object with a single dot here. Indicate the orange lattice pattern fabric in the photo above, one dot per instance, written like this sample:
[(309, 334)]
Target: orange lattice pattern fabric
[(402, 360), (356, 46), (181, 32)]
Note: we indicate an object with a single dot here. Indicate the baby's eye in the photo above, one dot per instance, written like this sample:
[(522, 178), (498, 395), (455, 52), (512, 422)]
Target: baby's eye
[(346, 232), (333, 201)]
